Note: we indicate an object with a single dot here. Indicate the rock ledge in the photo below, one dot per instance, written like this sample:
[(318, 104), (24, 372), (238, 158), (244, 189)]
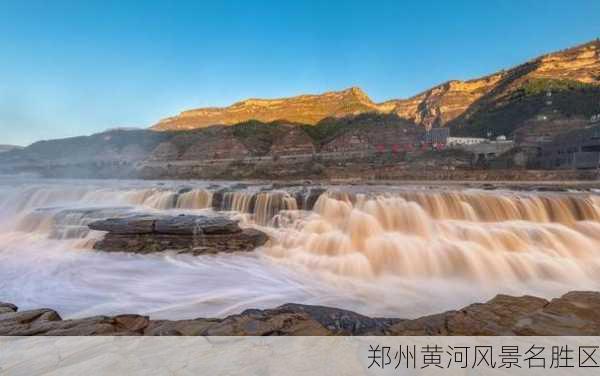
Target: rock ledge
[(573, 314), (184, 233)]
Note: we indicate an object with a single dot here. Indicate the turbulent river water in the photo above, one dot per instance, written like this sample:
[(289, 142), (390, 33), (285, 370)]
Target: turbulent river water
[(402, 252)]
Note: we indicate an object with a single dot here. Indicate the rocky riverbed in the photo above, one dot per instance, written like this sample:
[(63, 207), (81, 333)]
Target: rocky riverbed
[(574, 314)]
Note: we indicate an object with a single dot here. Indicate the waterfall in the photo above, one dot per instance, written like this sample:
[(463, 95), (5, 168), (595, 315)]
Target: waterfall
[(400, 251), (237, 201), (270, 204), (263, 206), (194, 199), (471, 236)]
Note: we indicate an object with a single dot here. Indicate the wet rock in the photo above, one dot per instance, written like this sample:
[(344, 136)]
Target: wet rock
[(92, 326), (48, 322), (135, 224), (193, 224), (218, 197), (269, 322), (340, 321), (184, 233), (179, 328), (311, 198), (573, 314), (167, 225), (26, 322), (498, 316), (7, 307), (131, 323)]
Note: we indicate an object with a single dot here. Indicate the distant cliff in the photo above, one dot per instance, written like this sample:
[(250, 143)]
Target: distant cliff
[(305, 109), (544, 97), (498, 103)]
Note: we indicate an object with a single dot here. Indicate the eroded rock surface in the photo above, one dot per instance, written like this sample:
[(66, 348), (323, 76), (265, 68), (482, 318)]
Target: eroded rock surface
[(185, 233), (572, 314)]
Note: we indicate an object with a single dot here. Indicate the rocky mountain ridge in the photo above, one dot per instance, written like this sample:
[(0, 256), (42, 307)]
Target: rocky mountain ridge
[(304, 109), (451, 103)]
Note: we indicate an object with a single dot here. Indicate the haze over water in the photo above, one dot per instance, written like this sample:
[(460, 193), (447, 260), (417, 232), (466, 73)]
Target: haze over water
[(401, 252)]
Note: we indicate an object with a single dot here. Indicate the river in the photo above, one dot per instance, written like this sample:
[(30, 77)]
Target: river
[(380, 251)]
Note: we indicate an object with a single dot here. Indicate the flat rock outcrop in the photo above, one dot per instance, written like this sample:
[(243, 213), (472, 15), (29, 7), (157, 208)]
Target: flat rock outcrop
[(572, 314), (184, 233)]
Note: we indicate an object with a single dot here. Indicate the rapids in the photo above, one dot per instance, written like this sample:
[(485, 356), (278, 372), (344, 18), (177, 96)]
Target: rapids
[(402, 252)]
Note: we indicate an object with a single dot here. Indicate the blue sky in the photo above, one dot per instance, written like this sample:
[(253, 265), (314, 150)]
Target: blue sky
[(77, 67)]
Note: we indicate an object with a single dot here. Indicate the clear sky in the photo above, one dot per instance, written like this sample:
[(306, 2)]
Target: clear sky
[(77, 67)]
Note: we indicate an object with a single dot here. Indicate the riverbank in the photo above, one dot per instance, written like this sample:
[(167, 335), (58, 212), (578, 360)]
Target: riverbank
[(573, 314)]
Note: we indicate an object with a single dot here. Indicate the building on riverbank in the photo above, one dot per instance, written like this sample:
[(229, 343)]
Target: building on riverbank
[(464, 141), (578, 149)]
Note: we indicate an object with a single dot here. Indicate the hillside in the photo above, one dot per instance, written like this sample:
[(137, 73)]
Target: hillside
[(114, 145), (255, 138), (460, 101), (498, 103)]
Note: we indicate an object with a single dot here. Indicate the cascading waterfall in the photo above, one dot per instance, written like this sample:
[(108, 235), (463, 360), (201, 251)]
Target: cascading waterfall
[(269, 204), (481, 236), (194, 199), (237, 201), (264, 206), (380, 252)]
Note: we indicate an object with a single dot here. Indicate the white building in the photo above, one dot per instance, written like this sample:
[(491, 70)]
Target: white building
[(459, 141)]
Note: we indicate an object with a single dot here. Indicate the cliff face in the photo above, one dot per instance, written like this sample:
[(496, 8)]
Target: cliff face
[(437, 106), (447, 102), (453, 103), (559, 88), (305, 109)]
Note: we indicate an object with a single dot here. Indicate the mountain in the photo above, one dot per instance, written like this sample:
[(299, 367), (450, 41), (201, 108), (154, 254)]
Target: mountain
[(5, 148), (568, 69), (500, 103), (304, 109), (114, 145)]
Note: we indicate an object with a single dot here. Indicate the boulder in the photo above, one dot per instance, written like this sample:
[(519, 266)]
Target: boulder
[(184, 233), (7, 308)]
